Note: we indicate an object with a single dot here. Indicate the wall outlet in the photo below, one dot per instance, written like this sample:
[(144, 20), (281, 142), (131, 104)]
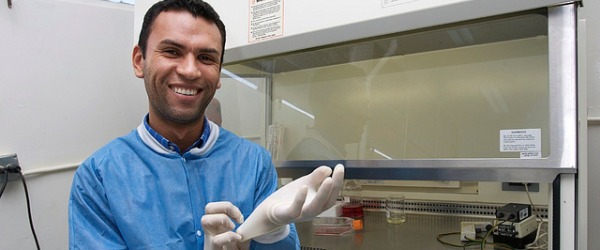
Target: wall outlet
[(5, 161)]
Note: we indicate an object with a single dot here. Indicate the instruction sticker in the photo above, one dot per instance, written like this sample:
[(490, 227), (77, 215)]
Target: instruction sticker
[(520, 140), (531, 155), (266, 19)]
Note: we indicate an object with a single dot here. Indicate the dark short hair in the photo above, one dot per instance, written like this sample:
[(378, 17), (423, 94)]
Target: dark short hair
[(197, 8)]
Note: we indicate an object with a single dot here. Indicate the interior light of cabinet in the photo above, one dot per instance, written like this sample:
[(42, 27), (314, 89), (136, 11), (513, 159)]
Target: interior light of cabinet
[(311, 116), (382, 154), (240, 79)]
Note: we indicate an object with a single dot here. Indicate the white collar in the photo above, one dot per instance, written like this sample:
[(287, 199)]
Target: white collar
[(159, 148)]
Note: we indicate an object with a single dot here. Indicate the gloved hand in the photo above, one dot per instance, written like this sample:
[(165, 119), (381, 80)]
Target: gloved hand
[(218, 226), (300, 200)]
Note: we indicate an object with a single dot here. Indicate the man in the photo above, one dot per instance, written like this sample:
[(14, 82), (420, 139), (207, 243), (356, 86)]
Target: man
[(178, 180)]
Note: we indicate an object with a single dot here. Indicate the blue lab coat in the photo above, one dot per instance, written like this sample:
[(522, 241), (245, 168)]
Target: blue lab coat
[(134, 193)]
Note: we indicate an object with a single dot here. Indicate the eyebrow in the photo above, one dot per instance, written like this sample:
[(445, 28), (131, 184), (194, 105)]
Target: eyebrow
[(172, 43), (179, 45)]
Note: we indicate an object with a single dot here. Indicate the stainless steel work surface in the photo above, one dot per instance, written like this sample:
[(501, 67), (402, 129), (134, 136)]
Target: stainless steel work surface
[(418, 232)]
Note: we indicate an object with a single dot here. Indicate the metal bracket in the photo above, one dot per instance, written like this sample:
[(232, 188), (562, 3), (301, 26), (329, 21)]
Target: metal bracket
[(5, 161)]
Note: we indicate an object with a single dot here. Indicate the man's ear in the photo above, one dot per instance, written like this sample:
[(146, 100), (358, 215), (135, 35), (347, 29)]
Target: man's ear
[(137, 60)]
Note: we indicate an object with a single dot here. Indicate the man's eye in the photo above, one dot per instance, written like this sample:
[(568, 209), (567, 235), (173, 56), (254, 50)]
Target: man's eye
[(171, 52), (206, 58)]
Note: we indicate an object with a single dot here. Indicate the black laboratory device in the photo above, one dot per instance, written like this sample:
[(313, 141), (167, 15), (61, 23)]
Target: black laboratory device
[(516, 226)]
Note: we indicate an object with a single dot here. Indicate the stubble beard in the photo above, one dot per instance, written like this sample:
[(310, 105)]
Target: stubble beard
[(170, 114)]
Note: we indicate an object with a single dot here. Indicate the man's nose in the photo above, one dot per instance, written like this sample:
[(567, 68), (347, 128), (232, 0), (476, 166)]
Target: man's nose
[(189, 67)]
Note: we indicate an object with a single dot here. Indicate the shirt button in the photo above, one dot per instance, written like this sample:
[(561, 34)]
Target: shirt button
[(198, 233)]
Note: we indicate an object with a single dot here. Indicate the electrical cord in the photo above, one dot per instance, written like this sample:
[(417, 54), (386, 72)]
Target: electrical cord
[(463, 246), (540, 241), (483, 242), (496, 245), (22, 174), (17, 170), (479, 241), (37, 244), (531, 201)]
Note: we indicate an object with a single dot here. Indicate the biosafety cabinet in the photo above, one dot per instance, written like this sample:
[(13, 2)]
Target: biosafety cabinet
[(458, 105)]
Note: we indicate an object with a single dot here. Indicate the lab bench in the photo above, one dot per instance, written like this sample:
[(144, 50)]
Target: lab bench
[(420, 231)]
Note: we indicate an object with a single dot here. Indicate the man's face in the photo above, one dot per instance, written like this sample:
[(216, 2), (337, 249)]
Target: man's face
[(181, 69)]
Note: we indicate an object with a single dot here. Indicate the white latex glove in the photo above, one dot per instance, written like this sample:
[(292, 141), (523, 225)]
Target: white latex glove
[(217, 224), (300, 200)]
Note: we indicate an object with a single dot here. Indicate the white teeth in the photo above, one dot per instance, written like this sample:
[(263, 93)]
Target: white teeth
[(183, 91)]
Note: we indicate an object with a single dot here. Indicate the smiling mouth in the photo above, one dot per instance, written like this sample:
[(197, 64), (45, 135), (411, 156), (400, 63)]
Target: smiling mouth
[(182, 91)]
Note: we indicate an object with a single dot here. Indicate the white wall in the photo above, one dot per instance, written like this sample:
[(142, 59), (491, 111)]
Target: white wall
[(66, 88), (589, 172)]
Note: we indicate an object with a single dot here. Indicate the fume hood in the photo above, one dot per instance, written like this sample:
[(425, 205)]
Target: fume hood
[(488, 99)]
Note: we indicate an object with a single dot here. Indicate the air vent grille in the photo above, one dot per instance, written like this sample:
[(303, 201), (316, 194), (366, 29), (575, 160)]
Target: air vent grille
[(311, 248), (448, 208)]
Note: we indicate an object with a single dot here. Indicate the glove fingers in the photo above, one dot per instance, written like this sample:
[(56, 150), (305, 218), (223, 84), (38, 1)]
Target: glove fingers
[(299, 200), (228, 240), (283, 214), (318, 176), (312, 180), (321, 199), (225, 207), (328, 193), (214, 224), (338, 182), (338, 175)]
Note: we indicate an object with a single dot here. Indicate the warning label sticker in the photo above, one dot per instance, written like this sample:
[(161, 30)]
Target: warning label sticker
[(520, 140), (266, 19)]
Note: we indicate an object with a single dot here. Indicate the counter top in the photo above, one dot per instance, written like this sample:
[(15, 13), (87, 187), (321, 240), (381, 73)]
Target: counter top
[(418, 232)]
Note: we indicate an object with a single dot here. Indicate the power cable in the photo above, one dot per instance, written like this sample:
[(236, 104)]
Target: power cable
[(17, 169), (37, 244)]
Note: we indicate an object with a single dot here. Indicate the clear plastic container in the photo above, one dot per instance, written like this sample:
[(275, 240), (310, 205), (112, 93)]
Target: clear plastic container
[(337, 226)]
